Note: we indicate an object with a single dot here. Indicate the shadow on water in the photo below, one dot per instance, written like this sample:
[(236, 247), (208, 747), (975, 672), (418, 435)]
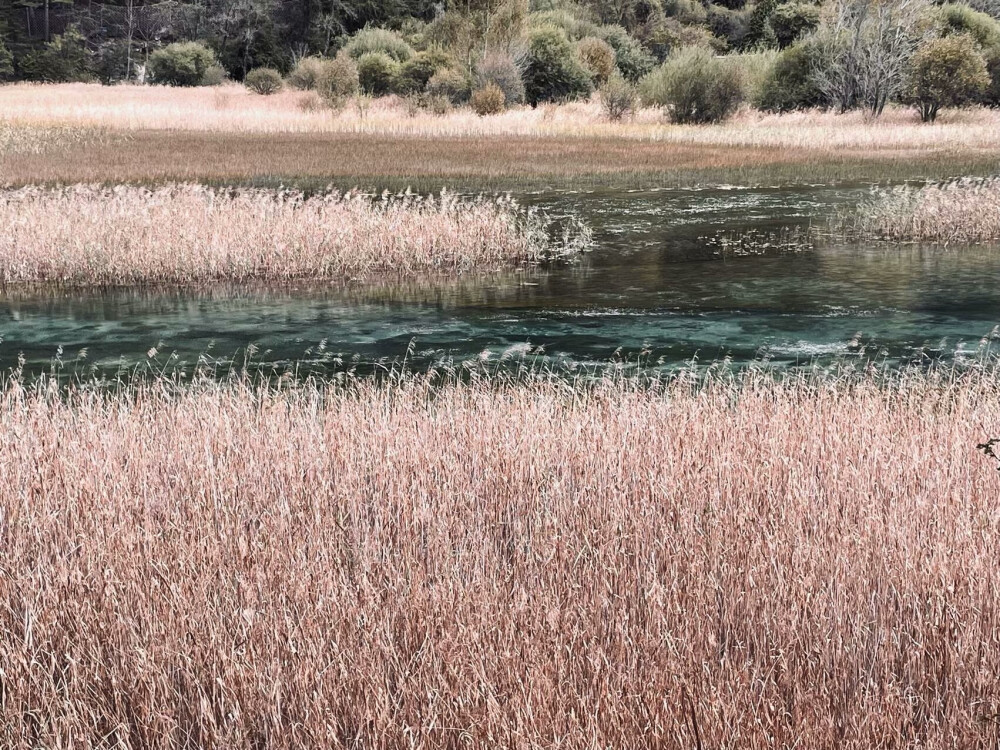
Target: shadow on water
[(662, 283)]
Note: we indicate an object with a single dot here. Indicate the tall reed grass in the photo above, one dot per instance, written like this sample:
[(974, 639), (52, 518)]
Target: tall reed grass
[(88, 235), (230, 109), (962, 211), (743, 563)]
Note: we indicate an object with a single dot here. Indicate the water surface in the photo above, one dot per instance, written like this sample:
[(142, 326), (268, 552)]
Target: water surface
[(660, 284)]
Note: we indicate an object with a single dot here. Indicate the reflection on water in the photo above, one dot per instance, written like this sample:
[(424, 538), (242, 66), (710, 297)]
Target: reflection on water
[(656, 282)]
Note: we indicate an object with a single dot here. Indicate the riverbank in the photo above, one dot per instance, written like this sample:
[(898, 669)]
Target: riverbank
[(525, 563), (89, 133)]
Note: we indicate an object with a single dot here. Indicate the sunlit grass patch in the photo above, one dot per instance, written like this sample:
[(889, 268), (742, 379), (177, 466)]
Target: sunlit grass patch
[(87, 235), (532, 563)]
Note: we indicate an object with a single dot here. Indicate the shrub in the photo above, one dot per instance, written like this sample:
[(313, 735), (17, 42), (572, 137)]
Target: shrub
[(618, 98), (947, 72), (728, 25), (383, 41), (306, 73), (64, 58), (310, 101), (6, 62), (377, 73), (985, 30), (597, 58), (790, 21), (417, 71), (214, 75), (753, 69), (790, 84), (436, 104), (553, 71), (569, 20), (961, 19), (265, 81), (489, 100), (338, 80), (631, 57), (452, 84), (695, 86), (181, 64), (503, 70)]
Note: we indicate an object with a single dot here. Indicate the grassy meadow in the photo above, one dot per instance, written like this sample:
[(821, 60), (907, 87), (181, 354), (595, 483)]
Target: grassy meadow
[(71, 133), (745, 563)]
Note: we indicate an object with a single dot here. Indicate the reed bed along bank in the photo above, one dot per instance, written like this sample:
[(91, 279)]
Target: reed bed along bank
[(961, 211), (233, 109), (87, 235), (742, 564)]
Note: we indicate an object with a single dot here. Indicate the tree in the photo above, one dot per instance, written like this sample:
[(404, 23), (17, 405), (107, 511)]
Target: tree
[(553, 71), (863, 50), (598, 58), (6, 62), (947, 72), (790, 21), (789, 84)]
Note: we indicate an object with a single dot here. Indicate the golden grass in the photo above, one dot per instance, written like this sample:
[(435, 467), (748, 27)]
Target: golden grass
[(233, 109), (86, 235), (963, 211), (227, 134), (758, 564)]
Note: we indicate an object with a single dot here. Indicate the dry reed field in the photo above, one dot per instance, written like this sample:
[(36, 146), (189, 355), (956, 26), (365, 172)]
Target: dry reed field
[(962, 211), (233, 109), (227, 134), (742, 564), (87, 235)]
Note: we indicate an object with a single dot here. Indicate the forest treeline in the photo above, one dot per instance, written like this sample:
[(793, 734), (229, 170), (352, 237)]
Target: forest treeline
[(699, 58)]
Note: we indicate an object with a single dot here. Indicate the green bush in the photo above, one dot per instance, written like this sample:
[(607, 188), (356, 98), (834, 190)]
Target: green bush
[(961, 19), (414, 74), (306, 73), (488, 100), (754, 70), (790, 21), (377, 73), (985, 30), (790, 84), (569, 20), (597, 57), (631, 57), (383, 41), (338, 80), (618, 98), (64, 58), (947, 72), (728, 25), (264, 81), (181, 64), (6, 62), (759, 31), (503, 70), (215, 75), (694, 86), (553, 71), (453, 85)]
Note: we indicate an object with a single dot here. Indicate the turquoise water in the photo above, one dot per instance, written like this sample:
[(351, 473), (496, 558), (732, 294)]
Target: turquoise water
[(657, 285)]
